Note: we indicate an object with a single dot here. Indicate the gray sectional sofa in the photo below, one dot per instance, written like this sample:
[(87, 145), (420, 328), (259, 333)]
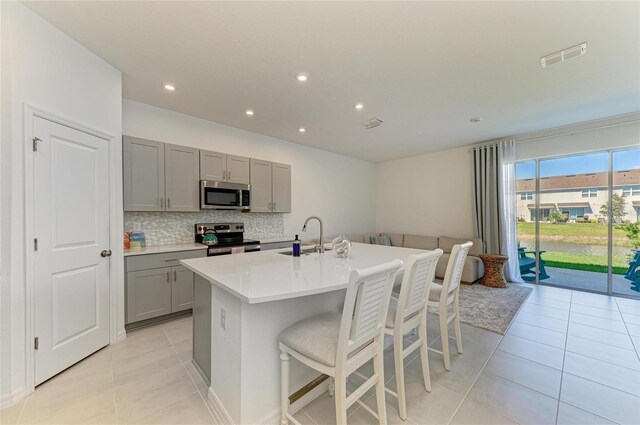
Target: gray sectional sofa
[(473, 268)]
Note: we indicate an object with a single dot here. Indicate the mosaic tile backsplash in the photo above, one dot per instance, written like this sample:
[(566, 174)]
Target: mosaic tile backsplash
[(164, 228)]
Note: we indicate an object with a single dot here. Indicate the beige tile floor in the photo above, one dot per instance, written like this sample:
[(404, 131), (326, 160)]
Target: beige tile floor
[(568, 358)]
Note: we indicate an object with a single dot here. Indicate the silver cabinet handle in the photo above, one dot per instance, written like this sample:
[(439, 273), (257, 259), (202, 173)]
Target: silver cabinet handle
[(274, 206), (175, 276), (168, 202), (229, 175), (161, 203), (172, 259), (167, 277), (105, 253)]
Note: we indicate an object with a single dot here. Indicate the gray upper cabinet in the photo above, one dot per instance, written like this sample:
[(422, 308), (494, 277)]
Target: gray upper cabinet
[(213, 166), (281, 187), (181, 178), (221, 167), (261, 196), (238, 169), (159, 176), (143, 175)]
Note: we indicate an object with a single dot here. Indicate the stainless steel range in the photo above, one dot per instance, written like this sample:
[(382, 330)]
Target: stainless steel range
[(229, 238)]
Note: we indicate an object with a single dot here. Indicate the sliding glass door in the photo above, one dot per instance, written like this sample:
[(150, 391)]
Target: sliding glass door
[(578, 221)]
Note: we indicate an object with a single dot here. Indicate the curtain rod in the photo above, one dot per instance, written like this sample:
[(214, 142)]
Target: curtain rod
[(548, 136)]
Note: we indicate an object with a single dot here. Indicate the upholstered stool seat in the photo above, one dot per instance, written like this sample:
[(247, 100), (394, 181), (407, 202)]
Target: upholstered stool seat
[(315, 337)]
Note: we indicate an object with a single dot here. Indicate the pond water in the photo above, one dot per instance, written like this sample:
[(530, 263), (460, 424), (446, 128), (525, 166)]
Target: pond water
[(557, 246)]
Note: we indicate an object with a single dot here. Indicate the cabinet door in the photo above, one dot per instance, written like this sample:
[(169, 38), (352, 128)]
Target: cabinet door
[(281, 187), (213, 166), (148, 294), (181, 289), (143, 162), (182, 178), (237, 169), (261, 186)]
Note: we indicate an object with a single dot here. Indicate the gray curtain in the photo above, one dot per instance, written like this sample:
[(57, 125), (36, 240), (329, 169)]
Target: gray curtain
[(494, 202)]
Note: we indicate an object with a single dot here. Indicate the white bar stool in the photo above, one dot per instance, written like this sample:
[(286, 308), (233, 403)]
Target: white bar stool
[(337, 345), (408, 312), (442, 296)]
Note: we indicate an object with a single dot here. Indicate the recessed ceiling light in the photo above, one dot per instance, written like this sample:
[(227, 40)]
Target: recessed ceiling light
[(169, 87), (249, 112), (302, 77), (302, 129), (359, 106), (476, 119)]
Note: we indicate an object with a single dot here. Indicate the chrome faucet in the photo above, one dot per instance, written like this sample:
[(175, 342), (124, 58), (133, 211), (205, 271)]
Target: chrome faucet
[(304, 229)]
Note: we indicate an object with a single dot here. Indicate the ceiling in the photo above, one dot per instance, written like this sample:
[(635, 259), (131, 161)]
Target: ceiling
[(424, 68)]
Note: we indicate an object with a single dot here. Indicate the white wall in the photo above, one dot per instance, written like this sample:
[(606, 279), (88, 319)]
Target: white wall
[(48, 70), (337, 188), (426, 195)]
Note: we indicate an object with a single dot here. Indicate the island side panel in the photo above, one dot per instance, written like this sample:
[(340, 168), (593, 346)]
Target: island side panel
[(261, 325), (202, 327), (226, 351)]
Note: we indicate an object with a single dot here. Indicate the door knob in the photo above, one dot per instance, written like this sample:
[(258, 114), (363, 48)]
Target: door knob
[(105, 253)]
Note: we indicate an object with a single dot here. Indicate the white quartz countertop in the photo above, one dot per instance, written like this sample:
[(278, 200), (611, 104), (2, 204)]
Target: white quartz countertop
[(263, 276), (159, 249), (275, 239)]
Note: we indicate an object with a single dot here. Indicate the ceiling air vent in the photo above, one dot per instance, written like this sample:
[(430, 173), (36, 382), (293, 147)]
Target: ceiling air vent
[(373, 122), (563, 55)]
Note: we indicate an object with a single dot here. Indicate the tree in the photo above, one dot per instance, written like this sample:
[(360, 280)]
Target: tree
[(618, 208), (633, 232), (555, 217)]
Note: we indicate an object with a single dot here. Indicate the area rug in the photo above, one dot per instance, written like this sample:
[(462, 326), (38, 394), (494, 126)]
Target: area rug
[(491, 308)]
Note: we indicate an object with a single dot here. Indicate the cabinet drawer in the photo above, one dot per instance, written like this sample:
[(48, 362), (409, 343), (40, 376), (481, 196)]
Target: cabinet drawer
[(167, 259)]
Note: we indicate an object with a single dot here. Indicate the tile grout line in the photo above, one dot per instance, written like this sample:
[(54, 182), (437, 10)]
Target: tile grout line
[(564, 358), (633, 344)]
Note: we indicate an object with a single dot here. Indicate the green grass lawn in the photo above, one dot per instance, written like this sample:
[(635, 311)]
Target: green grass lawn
[(590, 263), (569, 229)]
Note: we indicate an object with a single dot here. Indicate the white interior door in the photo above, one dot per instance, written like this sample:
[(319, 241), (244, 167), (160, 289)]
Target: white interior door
[(71, 224)]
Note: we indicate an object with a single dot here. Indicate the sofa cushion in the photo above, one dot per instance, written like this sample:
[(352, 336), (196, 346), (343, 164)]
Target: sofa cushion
[(420, 242), (397, 239), (446, 244), (381, 240), (472, 271)]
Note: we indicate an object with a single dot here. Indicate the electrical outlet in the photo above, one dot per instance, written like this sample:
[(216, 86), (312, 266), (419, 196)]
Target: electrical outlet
[(223, 318)]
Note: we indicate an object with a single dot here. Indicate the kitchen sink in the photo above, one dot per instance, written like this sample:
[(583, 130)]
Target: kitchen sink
[(305, 251)]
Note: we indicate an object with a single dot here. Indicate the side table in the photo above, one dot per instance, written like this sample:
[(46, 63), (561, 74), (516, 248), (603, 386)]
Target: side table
[(494, 270)]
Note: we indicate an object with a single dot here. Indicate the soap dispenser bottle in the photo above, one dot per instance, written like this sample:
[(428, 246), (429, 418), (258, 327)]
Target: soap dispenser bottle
[(296, 247)]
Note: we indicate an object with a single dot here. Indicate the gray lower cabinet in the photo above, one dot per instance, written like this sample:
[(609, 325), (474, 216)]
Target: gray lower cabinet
[(181, 289), (148, 294), (157, 285)]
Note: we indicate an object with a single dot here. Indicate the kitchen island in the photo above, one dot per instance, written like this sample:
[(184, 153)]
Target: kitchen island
[(242, 303)]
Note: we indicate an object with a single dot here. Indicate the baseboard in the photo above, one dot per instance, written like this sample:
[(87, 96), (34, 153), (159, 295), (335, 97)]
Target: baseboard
[(122, 335), (13, 398), (273, 418), (221, 415)]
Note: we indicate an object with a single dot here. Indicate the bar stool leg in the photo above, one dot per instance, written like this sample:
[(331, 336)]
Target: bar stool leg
[(424, 356), (456, 325), (284, 387), (399, 364), (332, 386), (341, 398), (378, 369), (444, 337)]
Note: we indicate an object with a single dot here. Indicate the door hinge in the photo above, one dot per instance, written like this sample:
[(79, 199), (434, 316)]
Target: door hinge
[(35, 343), (35, 144), (35, 244)]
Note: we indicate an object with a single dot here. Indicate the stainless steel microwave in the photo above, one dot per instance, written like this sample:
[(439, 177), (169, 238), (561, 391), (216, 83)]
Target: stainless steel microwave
[(224, 196)]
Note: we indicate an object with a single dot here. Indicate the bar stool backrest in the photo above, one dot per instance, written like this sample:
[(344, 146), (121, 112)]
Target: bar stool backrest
[(416, 283), (365, 307), (454, 268)]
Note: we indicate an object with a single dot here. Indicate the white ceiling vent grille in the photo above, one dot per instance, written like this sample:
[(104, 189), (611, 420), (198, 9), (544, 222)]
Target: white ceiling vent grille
[(373, 122), (563, 55)]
